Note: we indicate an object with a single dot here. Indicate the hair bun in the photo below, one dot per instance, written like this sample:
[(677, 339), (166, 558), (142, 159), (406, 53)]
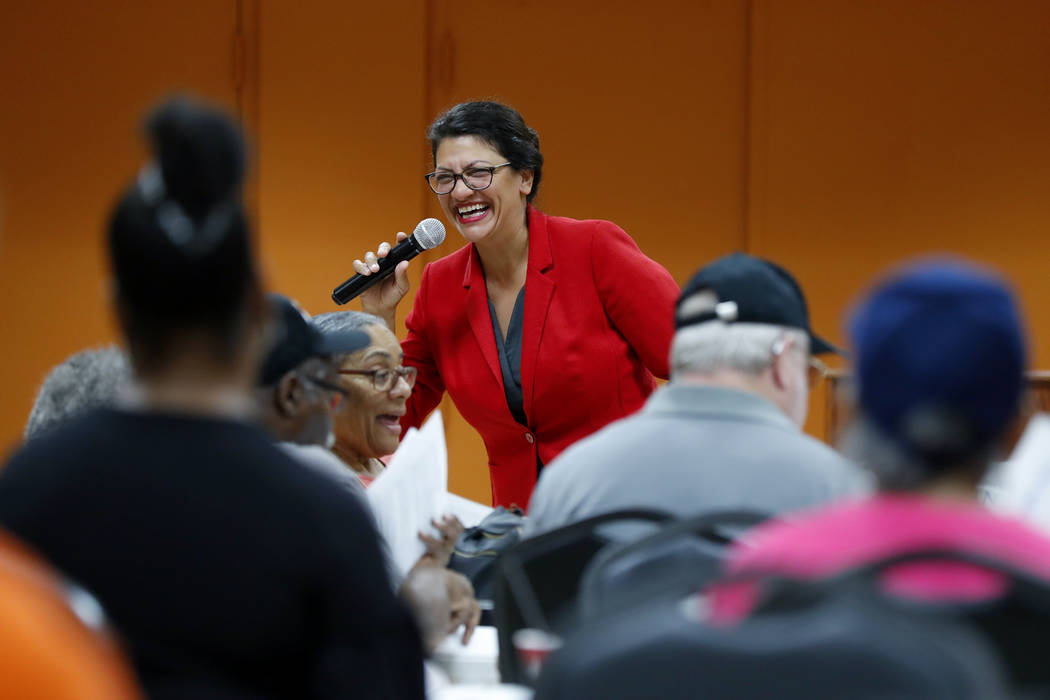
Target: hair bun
[(200, 153)]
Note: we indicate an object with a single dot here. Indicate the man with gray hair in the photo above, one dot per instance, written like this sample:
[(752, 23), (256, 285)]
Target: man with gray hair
[(725, 433), (85, 380)]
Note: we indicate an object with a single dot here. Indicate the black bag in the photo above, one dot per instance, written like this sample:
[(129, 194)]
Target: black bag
[(478, 547)]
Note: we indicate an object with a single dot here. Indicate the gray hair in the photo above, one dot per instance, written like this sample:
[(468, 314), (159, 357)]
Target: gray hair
[(340, 321), (744, 347), (88, 379)]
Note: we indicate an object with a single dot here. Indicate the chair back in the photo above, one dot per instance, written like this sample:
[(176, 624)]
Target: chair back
[(846, 645), (537, 580), (1015, 624), (681, 558)]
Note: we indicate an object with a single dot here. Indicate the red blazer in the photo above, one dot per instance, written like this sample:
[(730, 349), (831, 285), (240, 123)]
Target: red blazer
[(598, 321)]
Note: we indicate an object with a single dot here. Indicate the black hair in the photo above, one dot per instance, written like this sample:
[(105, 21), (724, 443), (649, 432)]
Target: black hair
[(498, 125), (900, 466), (179, 240)]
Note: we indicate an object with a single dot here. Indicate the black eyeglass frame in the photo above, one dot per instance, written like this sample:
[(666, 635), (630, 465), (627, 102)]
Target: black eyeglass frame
[(343, 393), (491, 169), (407, 373)]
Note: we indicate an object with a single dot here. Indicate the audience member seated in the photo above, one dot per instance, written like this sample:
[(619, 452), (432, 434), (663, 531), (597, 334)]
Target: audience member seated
[(299, 394), (229, 570), (940, 360), (88, 379), (299, 398), (378, 388), (725, 432)]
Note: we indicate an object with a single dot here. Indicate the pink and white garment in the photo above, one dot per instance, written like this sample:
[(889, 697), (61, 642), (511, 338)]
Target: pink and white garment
[(831, 540)]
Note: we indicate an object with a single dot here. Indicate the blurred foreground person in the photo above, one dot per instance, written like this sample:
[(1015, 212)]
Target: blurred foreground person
[(940, 361), (85, 380), (53, 638), (230, 570), (725, 433)]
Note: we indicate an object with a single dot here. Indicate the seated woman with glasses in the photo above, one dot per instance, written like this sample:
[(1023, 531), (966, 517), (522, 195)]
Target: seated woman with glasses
[(542, 329), (377, 387)]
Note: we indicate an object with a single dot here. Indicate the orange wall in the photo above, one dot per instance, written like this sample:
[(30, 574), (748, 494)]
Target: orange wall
[(76, 78), (834, 137), (341, 90), (887, 129)]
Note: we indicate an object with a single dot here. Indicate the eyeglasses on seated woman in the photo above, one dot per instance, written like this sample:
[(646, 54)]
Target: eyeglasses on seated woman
[(377, 387)]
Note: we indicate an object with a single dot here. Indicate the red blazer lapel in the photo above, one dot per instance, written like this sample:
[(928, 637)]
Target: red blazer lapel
[(478, 313), (539, 289)]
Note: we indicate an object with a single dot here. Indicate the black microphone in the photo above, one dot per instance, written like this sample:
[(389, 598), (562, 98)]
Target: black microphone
[(427, 234)]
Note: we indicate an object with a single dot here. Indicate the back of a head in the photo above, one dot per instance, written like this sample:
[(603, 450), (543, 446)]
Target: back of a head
[(86, 380), (940, 362), (298, 338), (732, 310), (178, 239), (714, 346)]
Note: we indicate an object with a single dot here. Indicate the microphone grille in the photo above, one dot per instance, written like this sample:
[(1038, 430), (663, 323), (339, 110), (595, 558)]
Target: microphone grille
[(429, 233)]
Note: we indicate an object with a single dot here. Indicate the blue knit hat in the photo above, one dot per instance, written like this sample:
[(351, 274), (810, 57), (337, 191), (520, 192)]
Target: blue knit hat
[(940, 359)]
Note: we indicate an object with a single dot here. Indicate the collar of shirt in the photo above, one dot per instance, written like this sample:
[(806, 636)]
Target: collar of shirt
[(717, 403)]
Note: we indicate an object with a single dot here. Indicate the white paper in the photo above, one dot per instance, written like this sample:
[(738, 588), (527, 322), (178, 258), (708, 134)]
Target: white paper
[(477, 662), (411, 491), (1022, 483), (469, 512)]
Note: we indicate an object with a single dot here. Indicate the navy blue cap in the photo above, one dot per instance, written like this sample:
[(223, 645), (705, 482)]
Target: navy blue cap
[(940, 359), (748, 290), (297, 339)]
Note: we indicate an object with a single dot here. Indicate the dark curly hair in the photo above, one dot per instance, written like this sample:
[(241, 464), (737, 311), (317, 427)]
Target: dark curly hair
[(498, 125)]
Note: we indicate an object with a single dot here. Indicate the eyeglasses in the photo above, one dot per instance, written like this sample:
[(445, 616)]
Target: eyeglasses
[(816, 371), (337, 392), (385, 379), (475, 177)]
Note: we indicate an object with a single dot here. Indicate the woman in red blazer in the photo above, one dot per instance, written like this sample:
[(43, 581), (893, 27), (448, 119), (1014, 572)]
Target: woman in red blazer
[(542, 329)]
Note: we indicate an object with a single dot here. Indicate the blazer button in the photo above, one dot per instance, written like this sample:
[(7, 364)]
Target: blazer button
[(530, 438)]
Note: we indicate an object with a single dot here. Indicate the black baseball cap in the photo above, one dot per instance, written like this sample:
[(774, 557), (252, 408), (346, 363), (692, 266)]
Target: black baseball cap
[(747, 289), (297, 340)]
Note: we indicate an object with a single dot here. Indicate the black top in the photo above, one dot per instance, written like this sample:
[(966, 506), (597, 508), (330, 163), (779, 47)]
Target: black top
[(229, 570), (509, 351)]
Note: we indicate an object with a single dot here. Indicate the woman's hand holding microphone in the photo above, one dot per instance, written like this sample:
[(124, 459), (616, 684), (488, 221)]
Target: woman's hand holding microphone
[(391, 265), (382, 299)]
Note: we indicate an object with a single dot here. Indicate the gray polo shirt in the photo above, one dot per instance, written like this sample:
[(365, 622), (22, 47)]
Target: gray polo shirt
[(693, 449)]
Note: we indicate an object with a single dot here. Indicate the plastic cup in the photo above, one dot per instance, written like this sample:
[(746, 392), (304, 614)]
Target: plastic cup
[(533, 647)]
